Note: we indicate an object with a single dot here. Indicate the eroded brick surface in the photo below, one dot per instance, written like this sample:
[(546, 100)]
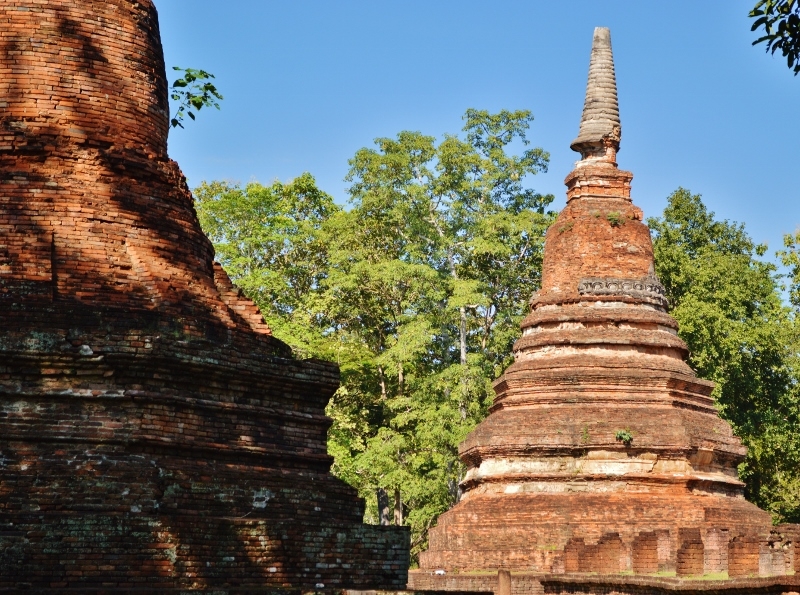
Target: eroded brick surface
[(154, 436)]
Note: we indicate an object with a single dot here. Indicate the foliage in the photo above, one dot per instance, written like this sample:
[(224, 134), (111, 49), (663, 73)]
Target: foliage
[(431, 271), (268, 239), (193, 91), (615, 218), (416, 292), (740, 335), (780, 20), (624, 436), (790, 258)]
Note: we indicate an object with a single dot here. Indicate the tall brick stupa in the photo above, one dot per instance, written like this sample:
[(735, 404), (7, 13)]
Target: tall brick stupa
[(154, 436), (603, 451)]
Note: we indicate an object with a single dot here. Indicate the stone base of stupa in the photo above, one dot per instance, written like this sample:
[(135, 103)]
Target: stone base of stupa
[(133, 461), (623, 532)]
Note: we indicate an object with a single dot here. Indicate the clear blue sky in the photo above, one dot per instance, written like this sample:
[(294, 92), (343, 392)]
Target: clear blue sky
[(307, 83)]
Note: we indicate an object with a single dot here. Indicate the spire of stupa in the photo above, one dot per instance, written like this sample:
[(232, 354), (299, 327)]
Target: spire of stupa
[(600, 130)]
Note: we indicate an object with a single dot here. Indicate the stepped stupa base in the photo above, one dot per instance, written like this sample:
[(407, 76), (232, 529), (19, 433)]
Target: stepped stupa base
[(608, 533), (193, 467)]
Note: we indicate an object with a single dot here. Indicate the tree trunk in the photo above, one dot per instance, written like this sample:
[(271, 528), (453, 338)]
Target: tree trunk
[(398, 508), (462, 337), (383, 383), (383, 507), (454, 484)]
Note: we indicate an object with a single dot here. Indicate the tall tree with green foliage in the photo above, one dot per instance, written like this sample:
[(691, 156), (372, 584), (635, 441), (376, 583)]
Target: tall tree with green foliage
[(268, 239), (455, 226), (727, 301)]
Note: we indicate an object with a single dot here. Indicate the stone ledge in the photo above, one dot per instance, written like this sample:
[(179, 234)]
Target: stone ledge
[(536, 583), (669, 584)]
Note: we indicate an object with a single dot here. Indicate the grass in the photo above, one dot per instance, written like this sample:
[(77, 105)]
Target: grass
[(711, 576), (714, 576)]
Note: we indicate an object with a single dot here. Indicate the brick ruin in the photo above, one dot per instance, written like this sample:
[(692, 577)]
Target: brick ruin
[(603, 451), (154, 436)]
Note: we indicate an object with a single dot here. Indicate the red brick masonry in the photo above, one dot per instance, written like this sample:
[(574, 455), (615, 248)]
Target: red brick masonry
[(153, 434)]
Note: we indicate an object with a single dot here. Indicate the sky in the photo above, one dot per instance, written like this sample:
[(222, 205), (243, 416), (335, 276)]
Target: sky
[(309, 82)]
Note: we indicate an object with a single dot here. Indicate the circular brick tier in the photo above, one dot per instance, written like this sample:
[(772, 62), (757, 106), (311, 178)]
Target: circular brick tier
[(93, 212)]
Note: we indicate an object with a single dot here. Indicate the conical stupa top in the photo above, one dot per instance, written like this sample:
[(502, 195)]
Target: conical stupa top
[(600, 125)]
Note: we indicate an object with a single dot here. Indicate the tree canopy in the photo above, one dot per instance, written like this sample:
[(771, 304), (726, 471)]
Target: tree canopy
[(416, 291), (728, 303)]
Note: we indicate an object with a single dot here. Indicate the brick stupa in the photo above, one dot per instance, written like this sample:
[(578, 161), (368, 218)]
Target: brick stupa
[(154, 436), (603, 451)]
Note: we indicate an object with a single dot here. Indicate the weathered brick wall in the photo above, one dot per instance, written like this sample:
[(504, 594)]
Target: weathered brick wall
[(586, 585), (526, 529), (91, 207), (644, 553), (743, 555), (154, 437), (538, 584), (426, 581), (690, 559)]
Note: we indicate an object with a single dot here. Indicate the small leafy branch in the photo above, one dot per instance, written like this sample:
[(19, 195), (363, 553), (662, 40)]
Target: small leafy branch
[(624, 436), (566, 227), (781, 22), (193, 91), (615, 218)]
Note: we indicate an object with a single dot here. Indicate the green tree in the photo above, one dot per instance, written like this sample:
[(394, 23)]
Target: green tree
[(430, 274), (790, 258), (727, 301), (416, 292), (268, 239), (780, 21)]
